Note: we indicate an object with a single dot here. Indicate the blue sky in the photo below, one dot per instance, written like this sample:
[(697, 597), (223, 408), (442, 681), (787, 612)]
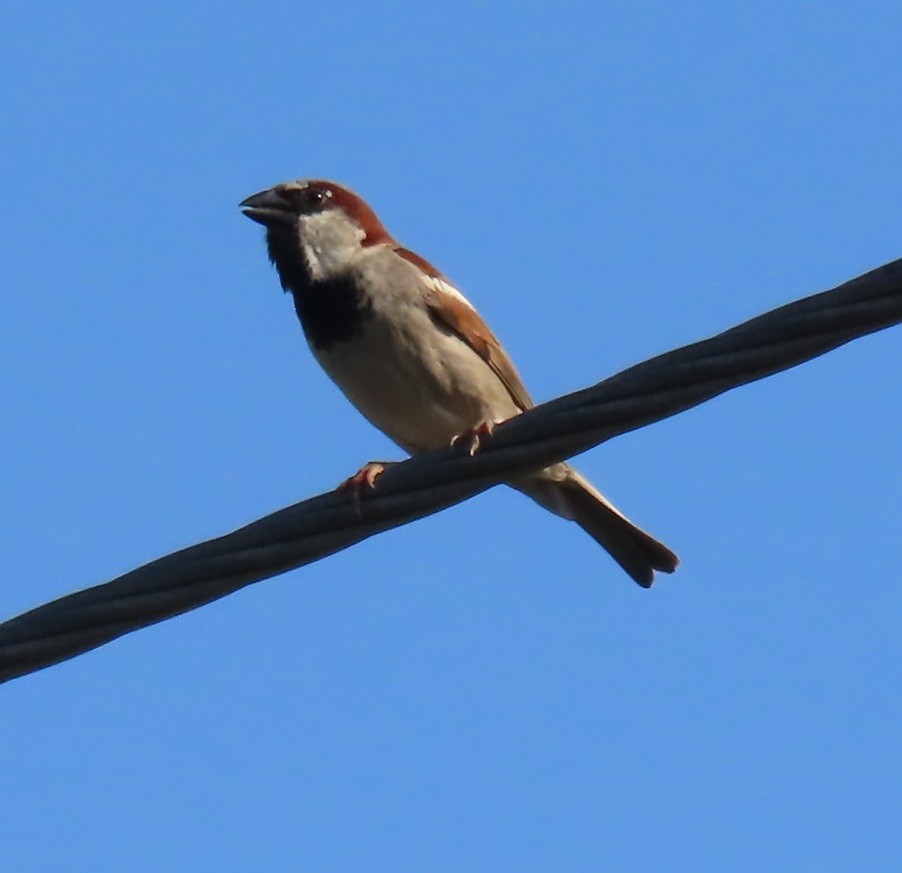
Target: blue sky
[(484, 689)]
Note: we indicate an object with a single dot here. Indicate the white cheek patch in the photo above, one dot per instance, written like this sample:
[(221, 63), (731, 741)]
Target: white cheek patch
[(329, 241), (313, 257)]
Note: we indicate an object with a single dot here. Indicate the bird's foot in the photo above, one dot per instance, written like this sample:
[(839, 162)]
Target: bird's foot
[(363, 480), (475, 436), (365, 477)]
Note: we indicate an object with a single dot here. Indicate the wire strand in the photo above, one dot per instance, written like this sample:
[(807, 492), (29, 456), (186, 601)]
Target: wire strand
[(318, 527)]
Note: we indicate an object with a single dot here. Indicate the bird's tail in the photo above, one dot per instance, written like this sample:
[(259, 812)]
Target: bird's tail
[(563, 491)]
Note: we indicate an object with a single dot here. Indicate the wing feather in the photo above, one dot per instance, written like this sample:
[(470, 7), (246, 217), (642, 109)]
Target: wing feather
[(453, 312)]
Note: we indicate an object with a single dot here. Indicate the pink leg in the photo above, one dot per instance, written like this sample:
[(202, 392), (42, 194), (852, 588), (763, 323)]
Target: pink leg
[(475, 436), (365, 477)]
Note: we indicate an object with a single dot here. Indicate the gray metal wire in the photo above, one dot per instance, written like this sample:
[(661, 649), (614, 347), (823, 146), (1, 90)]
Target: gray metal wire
[(315, 528)]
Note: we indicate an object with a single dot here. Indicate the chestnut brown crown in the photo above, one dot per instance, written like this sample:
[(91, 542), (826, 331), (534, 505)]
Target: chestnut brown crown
[(286, 202)]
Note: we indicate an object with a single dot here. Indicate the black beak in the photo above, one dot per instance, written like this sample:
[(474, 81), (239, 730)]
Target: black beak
[(268, 208)]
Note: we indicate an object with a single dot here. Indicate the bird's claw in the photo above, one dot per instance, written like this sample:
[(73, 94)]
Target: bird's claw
[(475, 436), (365, 477)]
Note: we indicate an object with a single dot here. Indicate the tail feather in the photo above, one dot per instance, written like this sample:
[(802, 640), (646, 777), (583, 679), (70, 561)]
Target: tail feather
[(565, 492)]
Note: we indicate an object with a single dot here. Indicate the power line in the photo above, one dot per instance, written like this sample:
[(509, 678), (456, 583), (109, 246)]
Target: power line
[(320, 526)]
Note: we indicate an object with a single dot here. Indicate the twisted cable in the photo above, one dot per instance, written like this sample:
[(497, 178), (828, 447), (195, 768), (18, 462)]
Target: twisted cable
[(318, 527)]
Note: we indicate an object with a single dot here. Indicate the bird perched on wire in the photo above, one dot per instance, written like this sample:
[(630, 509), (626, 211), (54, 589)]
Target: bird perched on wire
[(411, 352)]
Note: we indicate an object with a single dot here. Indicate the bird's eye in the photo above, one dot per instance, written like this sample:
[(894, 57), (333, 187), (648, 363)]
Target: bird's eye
[(316, 198)]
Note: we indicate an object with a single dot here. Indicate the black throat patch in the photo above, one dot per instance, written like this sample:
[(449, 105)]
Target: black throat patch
[(330, 311)]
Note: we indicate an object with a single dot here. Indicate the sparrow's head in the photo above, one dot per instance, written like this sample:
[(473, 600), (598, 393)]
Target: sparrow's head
[(314, 225)]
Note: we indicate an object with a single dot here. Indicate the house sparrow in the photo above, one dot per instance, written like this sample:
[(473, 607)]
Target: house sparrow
[(411, 352)]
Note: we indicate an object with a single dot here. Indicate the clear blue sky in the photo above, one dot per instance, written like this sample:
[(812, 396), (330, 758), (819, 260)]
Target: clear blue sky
[(483, 690)]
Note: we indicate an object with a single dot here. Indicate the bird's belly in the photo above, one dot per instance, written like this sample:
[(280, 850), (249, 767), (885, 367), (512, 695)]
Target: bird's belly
[(418, 385)]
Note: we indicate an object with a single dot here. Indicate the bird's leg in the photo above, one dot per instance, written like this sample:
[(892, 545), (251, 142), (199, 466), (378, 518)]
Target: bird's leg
[(365, 477), (475, 436)]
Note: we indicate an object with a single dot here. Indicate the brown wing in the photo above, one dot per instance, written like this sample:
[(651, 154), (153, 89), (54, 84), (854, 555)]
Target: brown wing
[(450, 310)]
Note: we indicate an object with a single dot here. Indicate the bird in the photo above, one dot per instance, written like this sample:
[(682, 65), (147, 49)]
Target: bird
[(412, 353)]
